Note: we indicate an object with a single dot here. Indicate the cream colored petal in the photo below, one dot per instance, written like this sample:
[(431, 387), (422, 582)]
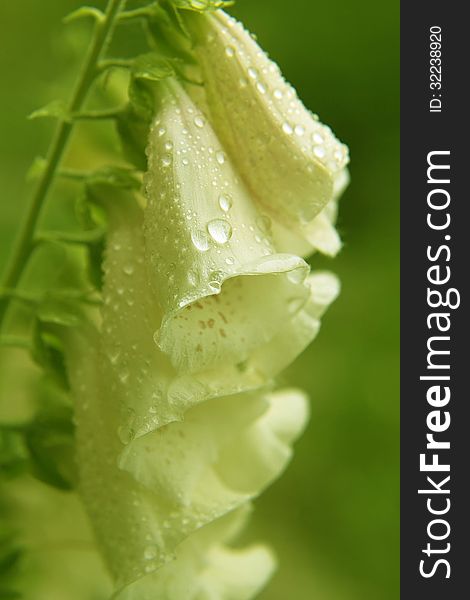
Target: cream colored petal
[(137, 531), (223, 288), (320, 234), (288, 159), (224, 452), (204, 568), (296, 336), (149, 391)]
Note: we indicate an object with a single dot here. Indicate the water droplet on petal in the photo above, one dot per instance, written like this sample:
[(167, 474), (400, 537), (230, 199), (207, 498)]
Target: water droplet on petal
[(199, 121), (220, 156), (286, 128), (192, 278), (264, 223), (220, 230), (260, 87), (229, 51), (277, 94), (200, 240), (225, 203), (253, 73), (166, 160), (319, 151), (299, 130), (318, 138), (215, 280), (150, 553)]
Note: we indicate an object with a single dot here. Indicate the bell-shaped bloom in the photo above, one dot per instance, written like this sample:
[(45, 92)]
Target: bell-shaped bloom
[(145, 498), (207, 567), (157, 468), (152, 392), (226, 294), (287, 158)]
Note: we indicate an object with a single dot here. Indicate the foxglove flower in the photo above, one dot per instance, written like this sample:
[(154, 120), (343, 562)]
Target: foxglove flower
[(206, 299), (290, 161), (147, 494), (212, 256)]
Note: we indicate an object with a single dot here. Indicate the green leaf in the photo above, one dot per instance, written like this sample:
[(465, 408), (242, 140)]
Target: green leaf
[(55, 109), (168, 34), (113, 176), (202, 5), (95, 264), (85, 12), (87, 237), (151, 67), (47, 351), (58, 310), (83, 210), (133, 129), (13, 454), (50, 441), (174, 18)]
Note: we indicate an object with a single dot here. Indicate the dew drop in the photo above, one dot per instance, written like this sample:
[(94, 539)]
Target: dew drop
[(200, 240), (225, 203), (277, 94), (185, 162), (229, 260), (168, 146), (243, 82), (215, 279), (260, 87), (319, 151), (128, 270), (166, 160), (192, 278), (150, 553), (220, 157), (199, 121), (286, 128), (229, 51), (318, 138), (219, 230), (161, 131), (299, 130), (253, 73), (264, 223)]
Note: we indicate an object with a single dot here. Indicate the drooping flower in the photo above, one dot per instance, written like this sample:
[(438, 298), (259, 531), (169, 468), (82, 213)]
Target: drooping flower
[(292, 164), (206, 299), (147, 493), (214, 264)]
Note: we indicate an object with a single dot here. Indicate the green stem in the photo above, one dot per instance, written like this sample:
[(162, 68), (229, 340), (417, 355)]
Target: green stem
[(25, 242)]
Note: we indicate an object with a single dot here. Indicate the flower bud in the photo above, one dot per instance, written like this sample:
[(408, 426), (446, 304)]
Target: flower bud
[(287, 158)]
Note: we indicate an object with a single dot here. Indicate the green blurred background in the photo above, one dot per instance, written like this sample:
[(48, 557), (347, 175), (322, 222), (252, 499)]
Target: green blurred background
[(333, 517)]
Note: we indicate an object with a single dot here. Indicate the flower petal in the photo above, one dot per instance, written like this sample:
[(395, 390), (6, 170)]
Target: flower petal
[(224, 453), (288, 159), (224, 290), (138, 531), (205, 568)]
